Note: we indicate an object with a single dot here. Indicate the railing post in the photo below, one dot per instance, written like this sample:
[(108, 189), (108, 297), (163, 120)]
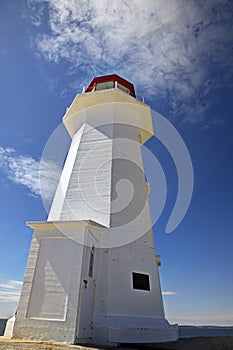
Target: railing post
[(115, 83)]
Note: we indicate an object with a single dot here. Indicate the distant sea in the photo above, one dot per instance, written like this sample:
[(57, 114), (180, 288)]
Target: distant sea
[(3, 322), (205, 331)]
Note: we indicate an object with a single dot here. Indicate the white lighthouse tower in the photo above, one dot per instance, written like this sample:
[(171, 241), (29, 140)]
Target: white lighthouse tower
[(92, 272)]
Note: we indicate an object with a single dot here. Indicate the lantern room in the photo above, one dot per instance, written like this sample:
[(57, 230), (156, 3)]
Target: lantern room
[(112, 81)]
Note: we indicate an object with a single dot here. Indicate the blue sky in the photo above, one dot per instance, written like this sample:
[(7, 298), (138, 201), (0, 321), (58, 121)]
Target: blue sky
[(179, 56)]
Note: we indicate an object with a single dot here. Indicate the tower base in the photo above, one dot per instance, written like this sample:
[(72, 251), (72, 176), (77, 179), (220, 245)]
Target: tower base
[(132, 330), (9, 327), (75, 291)]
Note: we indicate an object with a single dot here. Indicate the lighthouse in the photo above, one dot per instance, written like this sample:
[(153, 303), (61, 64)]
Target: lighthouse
[(92, 272)]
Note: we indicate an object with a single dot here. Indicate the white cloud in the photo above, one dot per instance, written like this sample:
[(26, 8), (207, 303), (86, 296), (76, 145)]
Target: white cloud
[(169, 292), (23, 170), (10, 291), (36, 9), (174, 49), (39, 177)]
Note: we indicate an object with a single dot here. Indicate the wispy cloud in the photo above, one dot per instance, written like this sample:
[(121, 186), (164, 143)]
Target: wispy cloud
[(10, 291), (174, 50), (37, 9), (39, 177), (20, 169), (169, 292)]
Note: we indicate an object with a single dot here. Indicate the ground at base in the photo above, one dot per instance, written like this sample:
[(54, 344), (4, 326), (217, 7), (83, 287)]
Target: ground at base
[(200, 343), (7, 343)]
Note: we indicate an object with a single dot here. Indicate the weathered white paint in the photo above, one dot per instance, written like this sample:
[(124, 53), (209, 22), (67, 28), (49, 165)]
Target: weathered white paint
[(48, 307), (59, 197), (74, 289), (9, 327), (84, 189)]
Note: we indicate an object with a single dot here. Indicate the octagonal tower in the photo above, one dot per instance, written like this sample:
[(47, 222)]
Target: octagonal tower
[(92, 272)]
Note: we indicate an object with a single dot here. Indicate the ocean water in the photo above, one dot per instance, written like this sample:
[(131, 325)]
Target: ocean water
[(205, 331), (2, 325)]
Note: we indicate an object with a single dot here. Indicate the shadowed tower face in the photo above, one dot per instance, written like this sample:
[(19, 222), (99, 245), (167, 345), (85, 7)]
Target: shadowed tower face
[(92, 272)]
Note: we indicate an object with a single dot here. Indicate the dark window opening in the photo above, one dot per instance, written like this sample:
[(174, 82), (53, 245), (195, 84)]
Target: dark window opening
[(91, 262), (141, 281)]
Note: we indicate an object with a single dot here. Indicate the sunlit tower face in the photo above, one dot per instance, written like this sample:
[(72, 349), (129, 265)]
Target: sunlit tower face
[(92, 273)]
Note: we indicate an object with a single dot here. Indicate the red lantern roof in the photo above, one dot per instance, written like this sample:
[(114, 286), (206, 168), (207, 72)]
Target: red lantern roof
[(111, 81)]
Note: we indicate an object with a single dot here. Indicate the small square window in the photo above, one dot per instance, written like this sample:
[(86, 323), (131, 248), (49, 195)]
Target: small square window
[(141, 281)]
